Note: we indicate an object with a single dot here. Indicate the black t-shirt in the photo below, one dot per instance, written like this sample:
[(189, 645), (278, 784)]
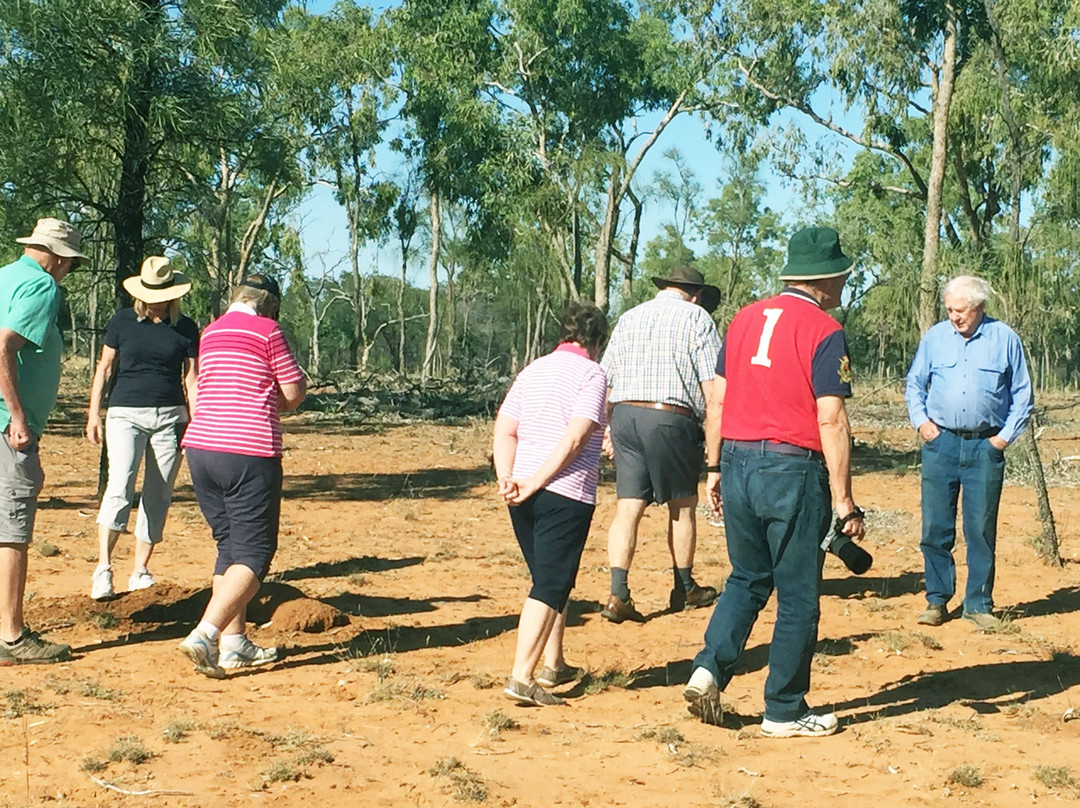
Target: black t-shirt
[(150, 359)]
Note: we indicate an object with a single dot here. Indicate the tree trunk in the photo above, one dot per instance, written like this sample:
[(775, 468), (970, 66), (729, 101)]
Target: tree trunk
[(433, 290), (129, 213), (932, 236), (604, 242), (1048, 543), (401, 310)]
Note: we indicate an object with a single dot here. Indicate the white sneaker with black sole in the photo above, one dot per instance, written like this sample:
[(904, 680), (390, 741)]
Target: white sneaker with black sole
[(811, 725)]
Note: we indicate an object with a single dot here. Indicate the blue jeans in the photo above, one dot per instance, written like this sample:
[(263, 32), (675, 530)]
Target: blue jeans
[(951, 463), (776, 511)]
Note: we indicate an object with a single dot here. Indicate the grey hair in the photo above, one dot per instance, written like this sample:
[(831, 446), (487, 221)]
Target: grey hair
[(264, 303), (975, 290)]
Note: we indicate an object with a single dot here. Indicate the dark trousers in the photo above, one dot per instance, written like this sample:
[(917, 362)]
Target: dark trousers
[(951, 464), (551, 530), (776, 511), (240, 496)]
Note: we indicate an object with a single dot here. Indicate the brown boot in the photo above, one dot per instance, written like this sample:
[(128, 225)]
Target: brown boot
[(619, 610)]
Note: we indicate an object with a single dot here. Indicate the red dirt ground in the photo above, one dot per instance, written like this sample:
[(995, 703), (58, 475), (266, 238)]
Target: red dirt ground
[(413, 582)]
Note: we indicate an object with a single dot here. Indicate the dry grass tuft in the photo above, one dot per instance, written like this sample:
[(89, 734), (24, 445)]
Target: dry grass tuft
[(966, 775), (468, 786)]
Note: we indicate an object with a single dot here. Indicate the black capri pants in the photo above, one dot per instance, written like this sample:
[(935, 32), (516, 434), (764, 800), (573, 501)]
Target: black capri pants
[(240, 496), (551, 530)]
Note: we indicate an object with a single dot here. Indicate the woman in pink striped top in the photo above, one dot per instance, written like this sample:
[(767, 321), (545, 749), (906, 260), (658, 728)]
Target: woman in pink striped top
[(547, 450), (234, 452)]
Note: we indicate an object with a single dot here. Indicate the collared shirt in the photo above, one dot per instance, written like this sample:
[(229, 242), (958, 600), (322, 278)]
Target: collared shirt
[(29, 303), (244, 361), (970, 384), (550, 391), (780, 356), (662, 350)]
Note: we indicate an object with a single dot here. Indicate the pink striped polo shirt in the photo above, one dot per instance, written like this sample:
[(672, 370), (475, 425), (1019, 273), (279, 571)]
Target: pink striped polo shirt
[(546, 394), (243, 361)]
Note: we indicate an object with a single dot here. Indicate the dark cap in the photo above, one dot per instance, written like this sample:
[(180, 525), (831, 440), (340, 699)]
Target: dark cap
[(692, 281), (257, 280)]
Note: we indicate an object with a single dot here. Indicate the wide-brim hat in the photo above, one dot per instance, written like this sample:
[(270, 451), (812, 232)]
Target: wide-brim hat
[(690, 280), (814, 254), (56, 236), (157, 282)]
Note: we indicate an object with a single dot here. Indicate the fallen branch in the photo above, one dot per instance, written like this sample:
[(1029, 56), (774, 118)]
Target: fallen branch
[(153, 792)]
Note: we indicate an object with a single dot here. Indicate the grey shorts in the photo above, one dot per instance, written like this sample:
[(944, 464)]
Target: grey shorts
[(658, 454), (21, 478)]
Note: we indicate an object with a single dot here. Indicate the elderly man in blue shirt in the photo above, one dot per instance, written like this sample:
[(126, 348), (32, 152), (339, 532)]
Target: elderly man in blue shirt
[(969, 395)]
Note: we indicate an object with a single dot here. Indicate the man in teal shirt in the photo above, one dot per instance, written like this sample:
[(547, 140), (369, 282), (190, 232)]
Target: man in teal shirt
[(30, 348)]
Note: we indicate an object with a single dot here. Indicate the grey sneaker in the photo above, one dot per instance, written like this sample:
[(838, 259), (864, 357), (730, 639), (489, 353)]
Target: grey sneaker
[(553, 677), (101, 586), (532, 695), (810, 725), (140, 580), (31, 649), (199, 649), (248, 655), (933, 615), (984, 621)]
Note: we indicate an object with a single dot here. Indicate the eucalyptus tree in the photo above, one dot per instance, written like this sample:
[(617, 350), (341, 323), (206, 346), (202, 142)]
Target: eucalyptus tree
[(110, 107), (336, 71)]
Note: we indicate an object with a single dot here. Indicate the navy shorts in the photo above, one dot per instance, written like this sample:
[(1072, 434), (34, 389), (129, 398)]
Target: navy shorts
[(551, 530), (240, 496), (658, 454)]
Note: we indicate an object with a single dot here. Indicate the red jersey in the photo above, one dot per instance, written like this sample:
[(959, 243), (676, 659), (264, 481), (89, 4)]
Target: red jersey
[(779, 356)]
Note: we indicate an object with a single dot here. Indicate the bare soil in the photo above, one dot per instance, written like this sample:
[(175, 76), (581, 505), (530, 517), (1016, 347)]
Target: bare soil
[(395, 595)]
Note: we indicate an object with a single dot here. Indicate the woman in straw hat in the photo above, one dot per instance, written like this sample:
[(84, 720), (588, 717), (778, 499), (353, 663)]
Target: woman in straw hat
[(151, 350)]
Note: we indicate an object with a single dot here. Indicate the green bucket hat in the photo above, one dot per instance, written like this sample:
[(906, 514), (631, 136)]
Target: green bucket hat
[(814, 254)]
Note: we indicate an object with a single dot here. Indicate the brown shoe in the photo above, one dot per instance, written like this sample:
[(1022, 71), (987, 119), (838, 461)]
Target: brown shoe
[(619, 610), (984, 621), (696, 598), (934, 615)]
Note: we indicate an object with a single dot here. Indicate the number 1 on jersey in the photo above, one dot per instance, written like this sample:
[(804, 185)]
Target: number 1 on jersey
[(762, 355)]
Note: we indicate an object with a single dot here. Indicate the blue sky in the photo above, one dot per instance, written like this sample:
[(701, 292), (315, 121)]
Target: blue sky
[(325, 233)]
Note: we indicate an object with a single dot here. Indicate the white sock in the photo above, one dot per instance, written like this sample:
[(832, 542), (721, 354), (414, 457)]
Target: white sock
[(101, 567), (211, 631), (232, 642)]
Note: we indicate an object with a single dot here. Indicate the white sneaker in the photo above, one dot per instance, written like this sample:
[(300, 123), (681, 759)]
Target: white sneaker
[(101, 587), (703, 697), (140, 580), (248, 655), (810, 725), (201, 650)]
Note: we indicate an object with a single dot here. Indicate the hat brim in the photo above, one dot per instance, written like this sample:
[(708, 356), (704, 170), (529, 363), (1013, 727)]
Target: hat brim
[(817, 272), (135, 287), (55, 247), (708, 295)]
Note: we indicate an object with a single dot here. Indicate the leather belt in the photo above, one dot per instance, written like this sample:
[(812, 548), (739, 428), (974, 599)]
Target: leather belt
[(772, 447), (972, 434), (659, 405)]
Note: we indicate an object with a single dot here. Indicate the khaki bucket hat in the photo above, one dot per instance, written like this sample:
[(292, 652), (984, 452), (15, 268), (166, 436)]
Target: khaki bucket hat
[(56, 236), (157, 282)]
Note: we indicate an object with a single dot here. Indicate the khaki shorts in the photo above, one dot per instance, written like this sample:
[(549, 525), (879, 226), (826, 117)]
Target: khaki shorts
[(21, 478)]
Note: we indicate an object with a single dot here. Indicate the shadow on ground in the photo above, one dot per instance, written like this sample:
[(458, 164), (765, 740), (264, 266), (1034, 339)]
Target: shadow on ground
[(985, 688), (422, 484)]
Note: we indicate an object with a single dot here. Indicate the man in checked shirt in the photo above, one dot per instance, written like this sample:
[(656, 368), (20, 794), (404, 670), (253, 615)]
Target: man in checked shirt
[(659, 364)]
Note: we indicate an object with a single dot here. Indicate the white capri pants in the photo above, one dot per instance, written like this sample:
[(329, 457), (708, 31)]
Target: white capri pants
[(130, 433)]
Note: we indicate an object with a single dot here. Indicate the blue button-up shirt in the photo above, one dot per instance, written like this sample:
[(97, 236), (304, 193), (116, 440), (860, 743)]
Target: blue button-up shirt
[(970, 384)]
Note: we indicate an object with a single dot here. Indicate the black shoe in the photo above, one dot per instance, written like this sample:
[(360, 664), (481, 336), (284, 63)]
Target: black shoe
[(696, 598)]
